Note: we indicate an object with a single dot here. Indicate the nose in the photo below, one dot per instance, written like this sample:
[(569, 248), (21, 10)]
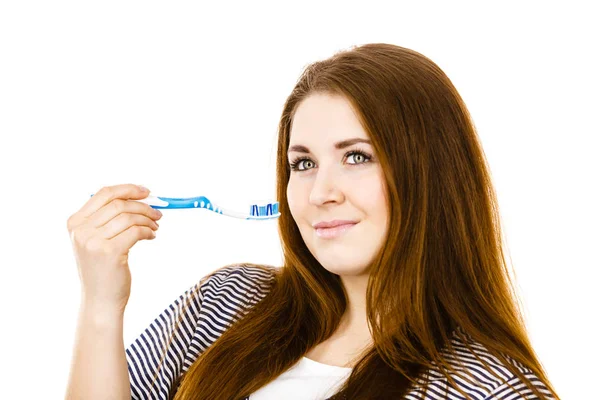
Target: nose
[(325, 188)]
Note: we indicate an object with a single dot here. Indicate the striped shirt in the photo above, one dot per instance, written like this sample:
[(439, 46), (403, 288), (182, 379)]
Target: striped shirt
[(228, 294)]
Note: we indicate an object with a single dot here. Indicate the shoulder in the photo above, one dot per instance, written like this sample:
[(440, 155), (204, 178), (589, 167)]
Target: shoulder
[(254, 277), (479, 373), (239, 286), (248, 271)]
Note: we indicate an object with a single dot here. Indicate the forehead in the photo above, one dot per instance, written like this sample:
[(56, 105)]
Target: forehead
[(325, 118)]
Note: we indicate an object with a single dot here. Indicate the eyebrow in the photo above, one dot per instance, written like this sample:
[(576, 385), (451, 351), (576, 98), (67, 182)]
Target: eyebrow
[(339, 145)]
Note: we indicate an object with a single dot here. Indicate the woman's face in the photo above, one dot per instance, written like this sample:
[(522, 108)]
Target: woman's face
[(333, 182)]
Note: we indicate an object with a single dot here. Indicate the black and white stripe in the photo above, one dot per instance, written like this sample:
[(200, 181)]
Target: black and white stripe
[(228, 293)]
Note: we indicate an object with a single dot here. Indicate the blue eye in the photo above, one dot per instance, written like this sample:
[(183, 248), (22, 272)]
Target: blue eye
[(294, 165)]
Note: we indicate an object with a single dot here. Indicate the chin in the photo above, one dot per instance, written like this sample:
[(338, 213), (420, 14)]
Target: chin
[(349, 269)]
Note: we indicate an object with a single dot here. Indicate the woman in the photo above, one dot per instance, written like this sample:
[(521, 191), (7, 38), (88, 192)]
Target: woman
[(408, 297)]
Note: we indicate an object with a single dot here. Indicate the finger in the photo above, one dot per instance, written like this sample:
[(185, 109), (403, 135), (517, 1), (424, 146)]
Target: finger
[(123, 222), (120, 206), (110, 193), (125, 241)]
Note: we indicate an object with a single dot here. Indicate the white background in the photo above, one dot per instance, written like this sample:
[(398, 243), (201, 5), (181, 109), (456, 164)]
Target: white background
[(185, 99)]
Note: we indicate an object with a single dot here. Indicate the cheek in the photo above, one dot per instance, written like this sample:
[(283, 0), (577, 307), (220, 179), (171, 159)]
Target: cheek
[(293, 199), (370, 191), (374, 199)]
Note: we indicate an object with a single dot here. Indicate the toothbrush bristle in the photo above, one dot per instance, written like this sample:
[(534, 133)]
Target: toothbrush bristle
[(266, 210)]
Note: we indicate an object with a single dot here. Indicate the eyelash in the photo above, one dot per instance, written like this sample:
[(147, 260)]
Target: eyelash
[(298, 160)]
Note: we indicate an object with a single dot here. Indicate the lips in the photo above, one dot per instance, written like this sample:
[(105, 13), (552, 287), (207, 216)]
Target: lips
[(334, 231), (333, 224)]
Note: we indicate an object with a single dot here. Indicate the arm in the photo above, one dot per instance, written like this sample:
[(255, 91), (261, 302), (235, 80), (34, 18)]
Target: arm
[(98, 367)]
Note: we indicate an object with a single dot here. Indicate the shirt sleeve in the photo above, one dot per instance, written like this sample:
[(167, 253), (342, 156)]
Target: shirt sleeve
[(160, 356), (155, 360)]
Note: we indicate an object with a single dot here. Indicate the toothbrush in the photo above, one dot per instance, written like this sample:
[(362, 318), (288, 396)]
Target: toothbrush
[(263, 211)]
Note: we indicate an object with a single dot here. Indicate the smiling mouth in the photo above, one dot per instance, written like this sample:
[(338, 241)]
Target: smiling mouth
[(334, 232)]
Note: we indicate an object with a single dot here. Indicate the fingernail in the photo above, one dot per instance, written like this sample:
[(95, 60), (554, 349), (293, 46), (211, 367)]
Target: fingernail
[(143, 188)]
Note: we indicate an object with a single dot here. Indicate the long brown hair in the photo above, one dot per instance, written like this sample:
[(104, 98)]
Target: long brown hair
[(442, 268)]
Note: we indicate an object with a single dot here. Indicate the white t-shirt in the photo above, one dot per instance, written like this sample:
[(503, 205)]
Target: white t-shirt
[(306, 380)]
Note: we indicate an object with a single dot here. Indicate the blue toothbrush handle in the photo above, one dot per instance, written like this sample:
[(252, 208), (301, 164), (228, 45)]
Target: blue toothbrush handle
[(257, 211), (174, 202)]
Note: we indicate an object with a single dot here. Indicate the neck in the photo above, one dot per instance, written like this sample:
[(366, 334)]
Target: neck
[(354, 321)]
